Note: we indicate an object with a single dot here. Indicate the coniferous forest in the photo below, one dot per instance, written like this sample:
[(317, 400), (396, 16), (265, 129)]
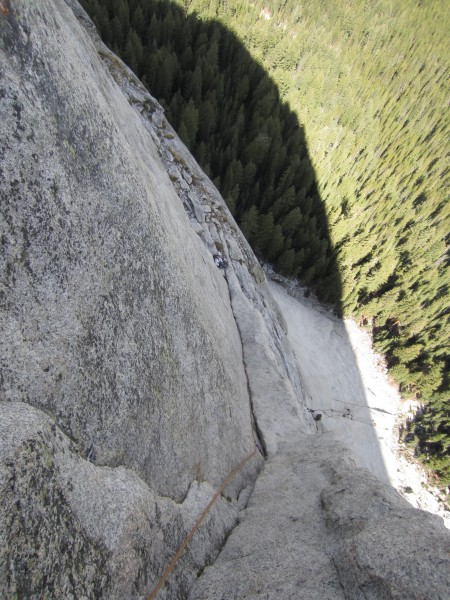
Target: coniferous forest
[(325, 126)]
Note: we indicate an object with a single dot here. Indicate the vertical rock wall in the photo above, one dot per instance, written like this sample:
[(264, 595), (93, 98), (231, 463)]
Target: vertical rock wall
[(124, 400), (115, 320)]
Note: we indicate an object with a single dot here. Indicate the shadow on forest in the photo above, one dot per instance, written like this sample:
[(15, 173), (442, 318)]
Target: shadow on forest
[(229, 112)]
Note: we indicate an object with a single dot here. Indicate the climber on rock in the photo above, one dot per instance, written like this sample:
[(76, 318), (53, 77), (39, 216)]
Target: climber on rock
[(347, 414), (222, 264)]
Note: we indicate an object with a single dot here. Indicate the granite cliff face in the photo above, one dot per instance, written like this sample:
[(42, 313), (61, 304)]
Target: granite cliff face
[(125, 400), (134, 375), (122, 375), (114, 308)]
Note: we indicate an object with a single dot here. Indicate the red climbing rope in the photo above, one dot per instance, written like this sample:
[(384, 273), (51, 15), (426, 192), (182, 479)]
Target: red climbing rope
[(190, 535)]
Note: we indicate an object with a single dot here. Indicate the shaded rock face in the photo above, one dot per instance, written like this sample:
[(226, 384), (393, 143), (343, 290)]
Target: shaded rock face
[(382, 547)]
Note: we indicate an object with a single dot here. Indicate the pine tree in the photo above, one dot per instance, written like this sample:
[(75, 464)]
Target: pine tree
[(291, 222), (134, 52), (138, 23), (121, 10), (276, 244), (153, 33), (249, 222), (264, 232), (207, 120), (285, 262), (117, 33)]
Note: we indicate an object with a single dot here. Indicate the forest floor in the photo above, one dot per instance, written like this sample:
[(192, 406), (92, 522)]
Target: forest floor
[(346, 383)]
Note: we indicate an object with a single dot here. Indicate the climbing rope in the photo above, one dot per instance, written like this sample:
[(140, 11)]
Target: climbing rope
[(333, 413), (190, 535), (367, 406)]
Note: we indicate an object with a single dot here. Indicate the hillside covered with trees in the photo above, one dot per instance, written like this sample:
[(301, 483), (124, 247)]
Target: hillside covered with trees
[(325, 126)]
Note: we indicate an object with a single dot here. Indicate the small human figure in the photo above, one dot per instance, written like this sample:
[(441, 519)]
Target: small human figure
[(319, 423), (220, 262)]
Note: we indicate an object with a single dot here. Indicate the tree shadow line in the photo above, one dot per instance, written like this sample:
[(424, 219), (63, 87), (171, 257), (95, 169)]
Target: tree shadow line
[(229, 112)]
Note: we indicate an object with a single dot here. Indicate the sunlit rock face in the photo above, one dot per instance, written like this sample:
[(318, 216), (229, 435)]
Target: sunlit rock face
[(135, 375), (318, 526), (117, 323), (122, 373)]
